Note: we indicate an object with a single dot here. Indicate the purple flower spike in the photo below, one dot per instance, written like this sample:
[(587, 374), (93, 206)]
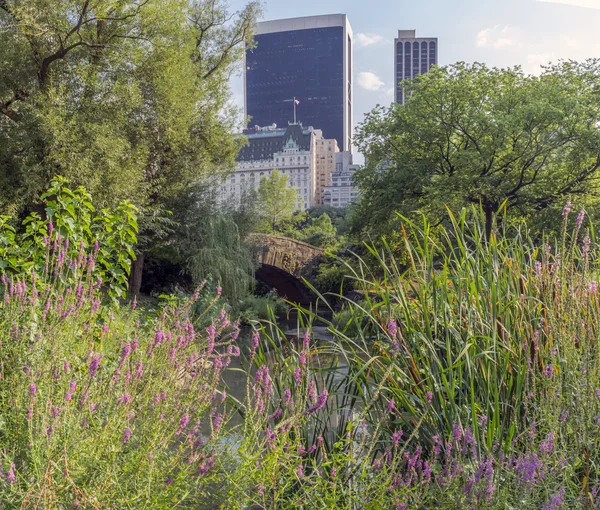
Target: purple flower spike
[(10, 476), (126, 436), (392, 328), (320, 404), (94, 364)]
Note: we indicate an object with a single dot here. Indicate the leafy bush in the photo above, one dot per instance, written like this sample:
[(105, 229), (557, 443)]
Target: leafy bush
[(71, 234), (100, 406), (469, 380), (258, 308)]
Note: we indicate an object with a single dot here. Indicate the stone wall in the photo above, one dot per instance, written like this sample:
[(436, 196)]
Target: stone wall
[(294, 257)]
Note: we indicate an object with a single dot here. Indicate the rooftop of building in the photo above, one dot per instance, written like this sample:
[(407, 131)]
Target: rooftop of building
[(263, 142), (412, 34), (303, 23)]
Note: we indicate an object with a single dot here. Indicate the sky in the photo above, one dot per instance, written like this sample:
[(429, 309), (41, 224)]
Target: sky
[(499, 33)]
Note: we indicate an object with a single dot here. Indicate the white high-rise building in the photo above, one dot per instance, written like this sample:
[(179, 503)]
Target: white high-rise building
[(292, 151), (412, 56), (342, 192)]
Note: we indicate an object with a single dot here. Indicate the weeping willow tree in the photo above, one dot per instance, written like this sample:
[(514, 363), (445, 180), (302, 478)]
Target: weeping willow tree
[(221, 254)]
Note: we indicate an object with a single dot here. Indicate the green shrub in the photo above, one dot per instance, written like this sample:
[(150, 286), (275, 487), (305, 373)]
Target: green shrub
[(71, 234)]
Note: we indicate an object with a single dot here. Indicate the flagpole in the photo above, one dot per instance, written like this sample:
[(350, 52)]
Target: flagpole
[(294, 109)]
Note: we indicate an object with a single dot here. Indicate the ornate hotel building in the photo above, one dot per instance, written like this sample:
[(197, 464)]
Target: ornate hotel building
[(301, 153)]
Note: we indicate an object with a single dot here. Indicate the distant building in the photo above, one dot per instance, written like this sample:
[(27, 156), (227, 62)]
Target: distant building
[(302, 63), (326, 158), (413, 56), (342, 191), (291, 150)]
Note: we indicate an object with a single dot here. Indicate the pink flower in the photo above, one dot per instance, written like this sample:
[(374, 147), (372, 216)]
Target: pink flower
[(94, 364), (10, 476), (392, 328), (567, 208), (124, 399), (126, 436), (320, 404), (396, 437)]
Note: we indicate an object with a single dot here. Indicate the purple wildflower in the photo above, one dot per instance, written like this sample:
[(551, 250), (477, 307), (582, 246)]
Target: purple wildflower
[(10, 476), (124, 399), (392, 329), (391, 406), (185, 418), (457, 432), (396, 436), (321, 401), (32, 389), (276, 414), (580, 218), (255, 338), (567, 208), (94, 364)]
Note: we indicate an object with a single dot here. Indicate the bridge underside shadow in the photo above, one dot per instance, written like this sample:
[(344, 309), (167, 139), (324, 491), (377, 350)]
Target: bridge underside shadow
[(287, 286)]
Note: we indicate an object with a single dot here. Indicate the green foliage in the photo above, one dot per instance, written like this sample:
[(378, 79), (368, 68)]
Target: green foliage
[(468, 380), (129, 98), (258, 308), (222, 255), (101, 406), (277, 201), (73, 233), (529, 145), (338, 215)]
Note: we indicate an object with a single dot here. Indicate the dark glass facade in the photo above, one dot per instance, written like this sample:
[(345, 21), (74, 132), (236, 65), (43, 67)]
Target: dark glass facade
[(412, 59), (306, 64)]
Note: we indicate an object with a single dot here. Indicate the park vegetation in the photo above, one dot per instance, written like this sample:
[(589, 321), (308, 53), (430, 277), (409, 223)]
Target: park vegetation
[(466, 374)]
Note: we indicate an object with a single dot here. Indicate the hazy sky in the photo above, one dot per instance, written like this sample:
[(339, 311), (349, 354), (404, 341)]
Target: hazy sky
[(497, 32)]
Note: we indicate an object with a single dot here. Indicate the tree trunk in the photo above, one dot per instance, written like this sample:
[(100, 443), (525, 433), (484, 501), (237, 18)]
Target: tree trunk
[(135, 279), (489, 220)]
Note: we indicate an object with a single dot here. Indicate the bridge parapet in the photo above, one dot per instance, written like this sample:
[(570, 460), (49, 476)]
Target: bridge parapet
[(294, 257)]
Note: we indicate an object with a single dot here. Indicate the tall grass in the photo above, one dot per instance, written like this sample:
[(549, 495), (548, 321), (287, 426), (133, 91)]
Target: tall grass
[(469, 378)]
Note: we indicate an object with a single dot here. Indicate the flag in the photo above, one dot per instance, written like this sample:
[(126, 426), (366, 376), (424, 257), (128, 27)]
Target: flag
[(297, 102)]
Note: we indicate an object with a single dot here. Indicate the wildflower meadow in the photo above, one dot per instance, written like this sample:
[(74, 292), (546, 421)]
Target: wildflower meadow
[(469, 378)]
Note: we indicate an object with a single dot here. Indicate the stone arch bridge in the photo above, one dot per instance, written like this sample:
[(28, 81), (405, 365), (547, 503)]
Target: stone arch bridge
[(284, 262)]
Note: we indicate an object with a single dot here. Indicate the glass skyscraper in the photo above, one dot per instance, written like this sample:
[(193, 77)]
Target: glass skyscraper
[(304, 63), (413, 56)]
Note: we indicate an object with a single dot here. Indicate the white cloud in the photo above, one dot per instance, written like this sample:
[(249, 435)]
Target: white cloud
[(590, 4), (369, 81), (367, 39), (536, 61), (498, 38)]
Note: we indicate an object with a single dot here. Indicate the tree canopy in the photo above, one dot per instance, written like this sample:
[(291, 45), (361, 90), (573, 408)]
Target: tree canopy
[(129, 97), (277, 200), (473, 135)]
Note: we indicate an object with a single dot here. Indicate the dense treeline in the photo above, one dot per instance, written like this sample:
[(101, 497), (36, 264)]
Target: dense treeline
[(490, 137)]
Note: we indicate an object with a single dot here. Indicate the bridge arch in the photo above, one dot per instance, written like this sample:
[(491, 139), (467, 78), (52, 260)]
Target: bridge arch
[(284, 262)]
